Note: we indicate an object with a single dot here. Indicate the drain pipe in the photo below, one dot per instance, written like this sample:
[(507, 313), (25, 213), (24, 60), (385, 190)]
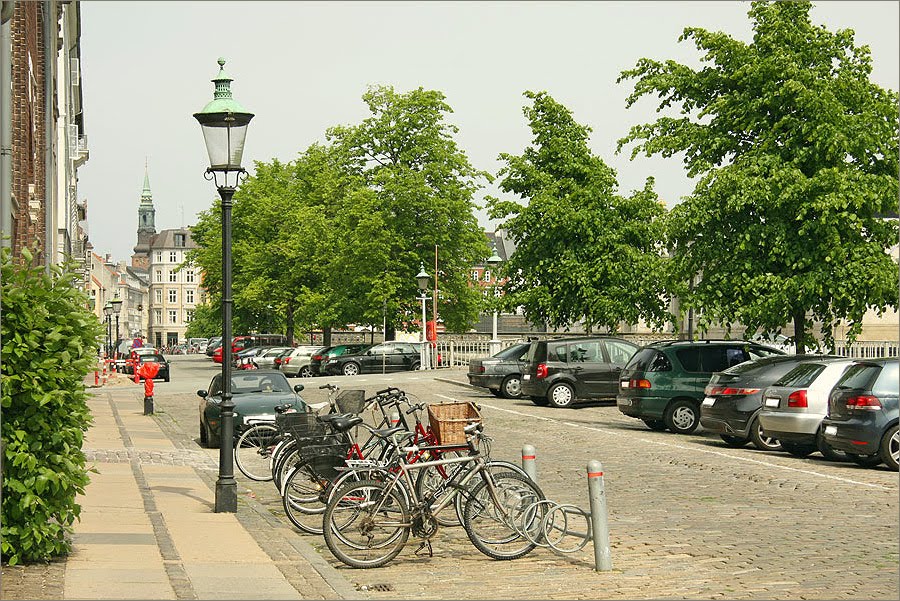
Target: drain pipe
[(50, 53), (6, 207)]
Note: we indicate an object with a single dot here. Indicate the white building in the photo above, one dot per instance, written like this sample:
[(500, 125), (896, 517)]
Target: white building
[(174, 290)]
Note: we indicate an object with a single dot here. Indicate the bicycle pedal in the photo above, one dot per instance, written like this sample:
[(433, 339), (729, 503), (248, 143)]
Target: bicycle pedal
[(426, 544)]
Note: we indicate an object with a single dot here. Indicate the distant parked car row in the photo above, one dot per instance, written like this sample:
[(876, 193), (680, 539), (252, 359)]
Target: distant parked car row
[(743, 391)]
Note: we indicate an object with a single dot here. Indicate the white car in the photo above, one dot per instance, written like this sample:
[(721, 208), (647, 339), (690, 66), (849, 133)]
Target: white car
[(296, 365)]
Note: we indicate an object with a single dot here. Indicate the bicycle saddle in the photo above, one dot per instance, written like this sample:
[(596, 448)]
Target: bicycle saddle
[(342, 423), (386, 433)]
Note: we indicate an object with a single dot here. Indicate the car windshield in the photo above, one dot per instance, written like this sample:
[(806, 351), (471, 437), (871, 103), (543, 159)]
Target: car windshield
[(514, 352), (254, 383)]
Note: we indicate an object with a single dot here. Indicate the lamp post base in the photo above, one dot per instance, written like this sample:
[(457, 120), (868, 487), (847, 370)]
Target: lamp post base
[(226, 496)]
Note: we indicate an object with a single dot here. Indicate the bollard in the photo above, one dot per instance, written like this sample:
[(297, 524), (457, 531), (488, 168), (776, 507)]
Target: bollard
[(528, 462), (395, 418), (137, 377), (148, 405), (599, 519), (96, 378)]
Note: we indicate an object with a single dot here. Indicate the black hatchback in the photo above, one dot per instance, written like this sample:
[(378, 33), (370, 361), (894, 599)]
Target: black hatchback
[(734, 399), (560, 371)]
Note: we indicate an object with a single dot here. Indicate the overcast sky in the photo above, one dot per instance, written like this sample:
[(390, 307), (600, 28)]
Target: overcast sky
[(302, 67)]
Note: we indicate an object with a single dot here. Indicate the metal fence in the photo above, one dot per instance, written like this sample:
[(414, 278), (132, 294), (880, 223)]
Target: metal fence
[(868, 349)]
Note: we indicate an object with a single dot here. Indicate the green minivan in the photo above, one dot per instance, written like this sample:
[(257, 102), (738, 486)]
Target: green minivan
[(663, 382)]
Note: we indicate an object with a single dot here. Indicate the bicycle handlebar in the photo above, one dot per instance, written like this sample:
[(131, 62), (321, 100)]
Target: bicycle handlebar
[(388, 390)]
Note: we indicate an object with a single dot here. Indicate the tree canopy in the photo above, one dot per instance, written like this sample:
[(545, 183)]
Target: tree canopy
[(797, 155), (583, 252)]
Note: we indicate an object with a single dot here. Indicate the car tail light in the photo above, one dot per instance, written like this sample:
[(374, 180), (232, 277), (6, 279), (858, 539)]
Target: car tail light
[(729, 391), (541, 371), (635, 383), (286, 360), (864, 402), (317, 357), (481, 369), (797, 398)]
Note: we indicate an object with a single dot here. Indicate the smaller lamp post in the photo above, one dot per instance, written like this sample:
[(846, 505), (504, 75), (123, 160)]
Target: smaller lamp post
[(116, 307), (422, 279), (494, 261), (107, 311)]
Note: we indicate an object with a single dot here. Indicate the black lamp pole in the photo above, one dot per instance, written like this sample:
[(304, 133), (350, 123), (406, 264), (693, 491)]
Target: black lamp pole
[(224, 125)]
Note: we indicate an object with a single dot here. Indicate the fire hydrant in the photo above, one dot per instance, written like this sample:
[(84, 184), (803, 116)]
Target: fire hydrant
[(148, 371)]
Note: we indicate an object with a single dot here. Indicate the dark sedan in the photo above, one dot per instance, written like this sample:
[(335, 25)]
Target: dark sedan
[(163, 373), (315, 362), (386, 357), (863, 413), (255, 393), (733, 399), (502, 372)]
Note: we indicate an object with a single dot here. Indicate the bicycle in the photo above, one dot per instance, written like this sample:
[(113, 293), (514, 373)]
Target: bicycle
[(367, 523)]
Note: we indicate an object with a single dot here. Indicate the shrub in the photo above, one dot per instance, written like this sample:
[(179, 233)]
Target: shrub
[(49, 344)]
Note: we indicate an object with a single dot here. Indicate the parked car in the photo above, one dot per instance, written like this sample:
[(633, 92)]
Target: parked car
[(164, 372), (296, 364), (134, 355), (265, 358), (255, 394), (243, 359), (385, 357), (214, 343), (734, 398), (664, 382), (863, 414), (315, 362), (561, 371), (795, 405), (501, 373)]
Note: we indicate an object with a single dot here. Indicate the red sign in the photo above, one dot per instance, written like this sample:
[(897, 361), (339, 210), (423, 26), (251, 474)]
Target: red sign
[(430, 331), (137, 343)]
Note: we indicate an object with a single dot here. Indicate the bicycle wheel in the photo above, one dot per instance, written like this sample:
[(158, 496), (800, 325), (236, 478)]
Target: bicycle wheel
[(303, 498), (366, 525), (253, 450), (284, 464), (497, 529)]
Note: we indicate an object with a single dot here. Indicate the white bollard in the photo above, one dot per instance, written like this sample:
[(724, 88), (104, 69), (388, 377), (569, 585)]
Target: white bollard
[(528, 461), (599, 519), (395, 418)]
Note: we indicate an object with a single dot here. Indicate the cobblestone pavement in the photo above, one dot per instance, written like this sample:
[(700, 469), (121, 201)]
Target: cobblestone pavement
[(688, 517)]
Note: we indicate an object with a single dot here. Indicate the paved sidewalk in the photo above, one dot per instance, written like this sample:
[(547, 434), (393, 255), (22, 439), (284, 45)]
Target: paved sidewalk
[(148, 529)]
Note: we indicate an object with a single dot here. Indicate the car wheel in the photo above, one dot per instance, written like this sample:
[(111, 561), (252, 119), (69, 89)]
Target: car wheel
[(657, 425), (305, 372), (212, 441), (735, 442), (682, 416), (350, 369), (760, 439), (414, 366), (540, 401), (826, 449), (890, 448), (866, 460), (798, 449), (561, 395), (202, 434), (511, 387)]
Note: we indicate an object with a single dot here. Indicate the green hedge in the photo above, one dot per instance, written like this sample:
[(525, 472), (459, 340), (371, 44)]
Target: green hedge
[(49, 340)]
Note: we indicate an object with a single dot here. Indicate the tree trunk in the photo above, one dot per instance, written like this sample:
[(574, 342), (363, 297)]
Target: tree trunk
[(800, 332), (326, 335), (390, 332), (290, 322)]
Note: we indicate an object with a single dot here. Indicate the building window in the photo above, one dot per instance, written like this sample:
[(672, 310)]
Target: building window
[(498, 292), (158, 296), (159, 256), (173, 257), (475, 275), (173, 296), (189, 297), (173, 276), (157, 316), (159, 275), (180, 240), (173, 316), (188, 316), (189, 276), (487, 275)]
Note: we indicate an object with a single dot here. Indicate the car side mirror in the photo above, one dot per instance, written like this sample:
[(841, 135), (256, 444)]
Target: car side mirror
[(299, 387), (368, 352), (201, 394)]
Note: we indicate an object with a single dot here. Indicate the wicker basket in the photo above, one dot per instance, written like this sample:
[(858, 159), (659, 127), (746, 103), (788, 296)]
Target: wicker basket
[(448, 421), (351, 401)]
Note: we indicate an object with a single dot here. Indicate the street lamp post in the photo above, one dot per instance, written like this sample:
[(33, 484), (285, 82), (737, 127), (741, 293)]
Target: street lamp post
[(422, 279), (224, 124), (116, 307), (494, 261), (107, 311)]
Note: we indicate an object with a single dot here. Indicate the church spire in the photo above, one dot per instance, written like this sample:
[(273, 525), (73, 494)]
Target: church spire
[(146, 196)]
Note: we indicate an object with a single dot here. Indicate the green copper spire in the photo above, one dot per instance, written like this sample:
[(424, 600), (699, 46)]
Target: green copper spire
[(146, 196), (222, 101)]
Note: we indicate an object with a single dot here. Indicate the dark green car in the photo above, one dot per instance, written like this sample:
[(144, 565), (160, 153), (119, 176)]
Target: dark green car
[(255, 393), (663, 382)]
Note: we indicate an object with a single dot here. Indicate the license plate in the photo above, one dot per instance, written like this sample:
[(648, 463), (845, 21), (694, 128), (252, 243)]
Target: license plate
[(624, 383), (831, 430), (708, 401), (526, 377), (625, 402), (770, 402)]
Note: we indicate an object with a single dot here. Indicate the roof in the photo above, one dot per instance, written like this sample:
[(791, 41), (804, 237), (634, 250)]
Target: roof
[(166, 239)]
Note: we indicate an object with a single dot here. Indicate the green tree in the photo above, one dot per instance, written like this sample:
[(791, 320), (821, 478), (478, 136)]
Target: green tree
[(50, 342), (583, 252), (419, 188), (796, 150)]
